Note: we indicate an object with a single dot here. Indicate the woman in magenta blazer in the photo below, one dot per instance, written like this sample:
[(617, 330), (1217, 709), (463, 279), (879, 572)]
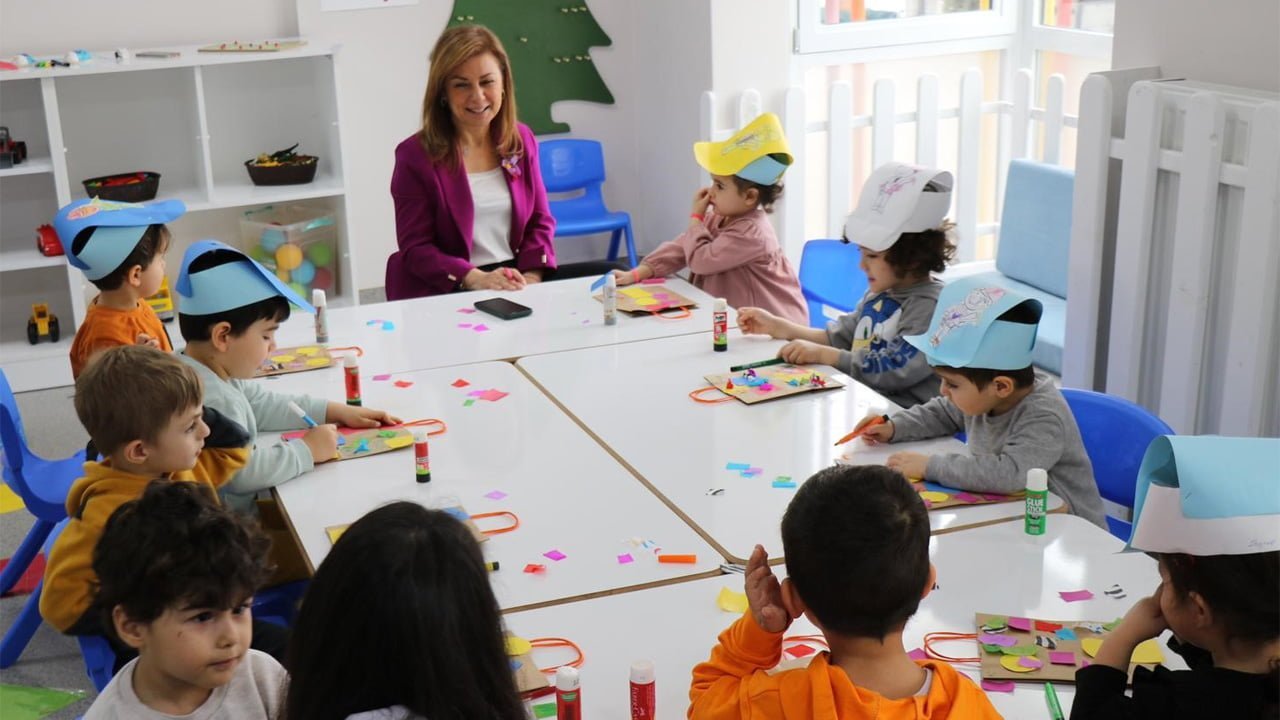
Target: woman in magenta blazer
[(455, 226)]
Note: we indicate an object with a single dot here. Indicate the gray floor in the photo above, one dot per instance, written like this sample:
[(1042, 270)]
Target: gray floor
[(51, 660)]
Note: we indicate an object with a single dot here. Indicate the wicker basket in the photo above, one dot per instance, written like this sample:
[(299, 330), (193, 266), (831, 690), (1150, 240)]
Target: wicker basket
[(145, 189), (299, 172)]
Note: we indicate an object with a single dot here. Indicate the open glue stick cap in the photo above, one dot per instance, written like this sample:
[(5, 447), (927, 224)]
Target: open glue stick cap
[(642, 672), (419, 436), (349, 361), (566, 678), (317, 297), (721, 305), (1037, 480)]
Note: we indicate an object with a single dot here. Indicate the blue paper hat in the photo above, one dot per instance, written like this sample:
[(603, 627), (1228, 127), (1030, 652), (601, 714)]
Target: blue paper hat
[(966, 332), (119, 227), (1208, 495), (230, 285)]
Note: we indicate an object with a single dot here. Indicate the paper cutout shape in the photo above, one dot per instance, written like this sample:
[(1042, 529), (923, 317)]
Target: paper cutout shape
[(495, 495), (295, 359), (1000, 639), (1001, 686), (467, 310), (737, 466), (382, 377), (527, 675), (469, 402), (1047, 626), (1058, 664), (1013, 663), (459, 383), (1075, 595), (490, 395), (918, 654), (480, 327), (544, 711), (404, 383), (465, 326), (625, 558), (1066, 634), (732, 601), (554, 555), (1019, 623), (1020, 649), (784, 483), (772, 382), (1029, 661), (799, 651), (517, 646), (363, 442), (535, 568), (995, 623), (1062, 657), (636, 299)]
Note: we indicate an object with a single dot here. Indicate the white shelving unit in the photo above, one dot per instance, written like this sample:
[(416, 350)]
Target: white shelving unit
[(194, 119)]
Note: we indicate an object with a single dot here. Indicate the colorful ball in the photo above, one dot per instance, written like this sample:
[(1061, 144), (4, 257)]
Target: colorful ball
[(323, 279), (283, 275), (272, 239), (259, 253), (288, 256), (320, 254), (305, 272)]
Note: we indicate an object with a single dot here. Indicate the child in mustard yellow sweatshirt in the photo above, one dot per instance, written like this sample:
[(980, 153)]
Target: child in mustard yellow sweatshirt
[(856, 540)]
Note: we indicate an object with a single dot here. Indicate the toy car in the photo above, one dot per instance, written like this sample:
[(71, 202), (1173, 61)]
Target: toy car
[(42, 324), (162, 302), (47, 241)]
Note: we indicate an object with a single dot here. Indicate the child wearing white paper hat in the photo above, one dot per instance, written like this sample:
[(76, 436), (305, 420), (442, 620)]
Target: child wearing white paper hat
[(730, 248), (229, 310), (900, 226), (1208, 508), (120, 248), (979, 343)]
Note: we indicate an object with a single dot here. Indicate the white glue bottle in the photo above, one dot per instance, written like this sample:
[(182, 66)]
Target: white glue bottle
[(610, 300), (322, 318), (1037, 501)]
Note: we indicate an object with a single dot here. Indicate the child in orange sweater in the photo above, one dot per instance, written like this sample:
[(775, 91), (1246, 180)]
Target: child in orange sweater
[(856, 540)]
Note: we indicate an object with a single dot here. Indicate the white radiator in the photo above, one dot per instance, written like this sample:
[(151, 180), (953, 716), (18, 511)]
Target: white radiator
[(1175, 251)]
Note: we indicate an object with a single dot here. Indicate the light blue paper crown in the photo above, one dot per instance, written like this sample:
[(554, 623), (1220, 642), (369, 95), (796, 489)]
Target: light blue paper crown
[(119, 228), (764, 170), (966, 330), (228, 286), (1208, 495)]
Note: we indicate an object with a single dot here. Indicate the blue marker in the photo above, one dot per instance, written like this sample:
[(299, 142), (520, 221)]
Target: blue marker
[(297, 409)]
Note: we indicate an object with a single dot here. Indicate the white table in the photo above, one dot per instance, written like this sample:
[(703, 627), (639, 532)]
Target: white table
[(994, 568), (634, 398), (569, 494), (424, 332)]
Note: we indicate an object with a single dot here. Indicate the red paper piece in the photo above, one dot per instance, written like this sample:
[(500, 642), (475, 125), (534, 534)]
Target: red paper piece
[(800, 651), (1048, 626), (460, 383), (535, 568), (404, 383)]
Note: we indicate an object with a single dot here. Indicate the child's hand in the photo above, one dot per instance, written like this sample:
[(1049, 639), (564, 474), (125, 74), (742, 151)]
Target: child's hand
[(701, 201), (145, 339), (1143, 621), (764, 594), (502, 278), (532, 276), (358, 417), (912, 465), (757, 321), (876, 434), (322, 441), (800, 352)]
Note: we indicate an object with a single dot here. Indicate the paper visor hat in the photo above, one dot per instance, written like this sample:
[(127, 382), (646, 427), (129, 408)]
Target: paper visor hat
[(230, 285), (758, 152), (894, 200), (117, 229), (966, 330)]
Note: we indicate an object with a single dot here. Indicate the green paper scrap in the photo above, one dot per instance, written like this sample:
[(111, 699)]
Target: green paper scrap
[(545, 710), (1020, 650), (996, 649), (387, 433), (1112, 625), (469, 402), (996, 623), (31, 703)]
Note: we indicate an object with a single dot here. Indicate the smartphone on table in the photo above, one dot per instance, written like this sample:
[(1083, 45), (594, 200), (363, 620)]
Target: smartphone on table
[(503, 308)]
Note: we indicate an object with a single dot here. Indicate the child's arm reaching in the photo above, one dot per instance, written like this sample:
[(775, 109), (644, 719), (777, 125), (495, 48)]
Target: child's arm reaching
[(1100, 687), (1034, 442), (753, 643), (758, 321), (937, 418)]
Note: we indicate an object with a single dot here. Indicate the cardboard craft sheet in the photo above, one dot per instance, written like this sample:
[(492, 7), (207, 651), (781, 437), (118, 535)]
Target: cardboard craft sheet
[(295, 359), (772, 381), (649, 298), (1020, 648), (356, 443)]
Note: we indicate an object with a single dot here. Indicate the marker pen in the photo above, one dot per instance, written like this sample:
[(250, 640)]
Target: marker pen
[(610, 300), (351, 373), (322, 318), (421, 457), (568, 694), (297, 410), (720, 326)]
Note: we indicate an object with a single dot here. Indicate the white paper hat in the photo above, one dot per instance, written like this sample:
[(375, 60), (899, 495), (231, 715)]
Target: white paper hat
[(894, 201)]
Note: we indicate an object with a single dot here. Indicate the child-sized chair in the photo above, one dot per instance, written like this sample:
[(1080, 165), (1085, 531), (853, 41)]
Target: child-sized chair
[(570, 165), (830, 279), (1116, 434)]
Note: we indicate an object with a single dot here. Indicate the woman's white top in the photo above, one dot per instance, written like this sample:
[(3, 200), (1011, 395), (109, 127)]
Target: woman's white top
[(491, 234)]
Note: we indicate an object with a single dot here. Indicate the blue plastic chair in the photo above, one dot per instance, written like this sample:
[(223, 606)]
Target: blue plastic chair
[(28, 621), (1116, 434), (571, 165), (830, 279)]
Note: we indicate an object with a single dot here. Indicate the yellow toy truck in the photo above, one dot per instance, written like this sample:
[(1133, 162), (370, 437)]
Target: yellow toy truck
[(162, 302), (42, 324)]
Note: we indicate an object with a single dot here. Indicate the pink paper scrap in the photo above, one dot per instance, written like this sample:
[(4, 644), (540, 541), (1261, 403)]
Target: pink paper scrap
[(554, 555), (799, 651), (1019, 623), (464, 326), (468, 311), (495, 495), (1001, 686), (625, 558), (1063, 657), (1027, 661), (661, 296), (380, 378), (404, 383), (460, 383), (481, 328), (653, 281), (764, 388), (966, 497), (997, 639), (493, 395), (1075, 595), (918, 654)]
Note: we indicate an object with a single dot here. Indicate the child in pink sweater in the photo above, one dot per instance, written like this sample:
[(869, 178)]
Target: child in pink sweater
[(729, 247)]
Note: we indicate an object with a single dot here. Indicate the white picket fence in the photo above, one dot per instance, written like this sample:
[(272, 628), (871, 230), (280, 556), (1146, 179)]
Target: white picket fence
[(1023, 127)]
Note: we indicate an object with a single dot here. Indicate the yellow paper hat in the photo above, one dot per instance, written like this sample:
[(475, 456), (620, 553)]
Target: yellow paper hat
[(758, 152)]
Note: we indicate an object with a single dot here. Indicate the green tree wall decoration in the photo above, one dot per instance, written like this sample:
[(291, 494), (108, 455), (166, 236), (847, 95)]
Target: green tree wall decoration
[(549, 43)]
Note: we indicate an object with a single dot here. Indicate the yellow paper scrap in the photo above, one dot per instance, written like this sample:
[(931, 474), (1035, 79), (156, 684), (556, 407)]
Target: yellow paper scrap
[(932, 496), (399, 441), (317, 362), (9, 500), (646, 301), (308, 351), (335, 532), (1010, 663), (1090, 646), (634, 292), (1146, 653), (732, 601), (517, 646), (281, 359)]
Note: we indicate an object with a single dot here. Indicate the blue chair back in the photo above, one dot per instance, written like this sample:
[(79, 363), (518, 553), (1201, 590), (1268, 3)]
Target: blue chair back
[(1116, 434), (570, 164), (13, 439), (830, 279)]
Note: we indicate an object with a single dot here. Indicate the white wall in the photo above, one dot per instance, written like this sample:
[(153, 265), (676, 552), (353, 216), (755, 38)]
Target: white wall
[(1233, 43)]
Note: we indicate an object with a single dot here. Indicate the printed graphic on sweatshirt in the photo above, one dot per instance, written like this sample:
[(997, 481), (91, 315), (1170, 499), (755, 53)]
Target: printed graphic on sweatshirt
[(876, 339)]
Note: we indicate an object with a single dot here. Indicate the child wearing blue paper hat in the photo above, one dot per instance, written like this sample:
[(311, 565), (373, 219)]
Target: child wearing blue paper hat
[(120, 248), (229, 310), (979, 343), (1208, 509), (901, 230), (729, 246)]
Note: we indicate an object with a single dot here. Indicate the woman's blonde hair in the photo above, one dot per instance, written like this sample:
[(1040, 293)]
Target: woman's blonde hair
[(455, 46)]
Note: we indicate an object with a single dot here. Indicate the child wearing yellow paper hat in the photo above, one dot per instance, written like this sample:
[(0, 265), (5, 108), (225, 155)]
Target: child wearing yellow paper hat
[(1208, 509), (729, 247)]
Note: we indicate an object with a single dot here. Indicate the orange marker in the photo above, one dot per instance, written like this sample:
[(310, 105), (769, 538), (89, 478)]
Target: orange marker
[(863, 428), (683, 559)]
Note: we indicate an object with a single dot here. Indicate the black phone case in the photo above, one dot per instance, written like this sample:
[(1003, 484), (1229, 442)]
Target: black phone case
[(503, 309)]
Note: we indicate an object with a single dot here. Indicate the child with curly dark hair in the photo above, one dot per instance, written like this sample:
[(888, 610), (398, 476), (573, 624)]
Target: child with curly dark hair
[(900, 227)]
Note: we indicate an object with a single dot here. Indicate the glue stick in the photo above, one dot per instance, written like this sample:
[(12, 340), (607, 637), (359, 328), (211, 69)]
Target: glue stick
[(610, 300), (1037, 501), (322, 318), (421, 457), (643, 698), (351, 373), (568, 696), (720, 326)]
